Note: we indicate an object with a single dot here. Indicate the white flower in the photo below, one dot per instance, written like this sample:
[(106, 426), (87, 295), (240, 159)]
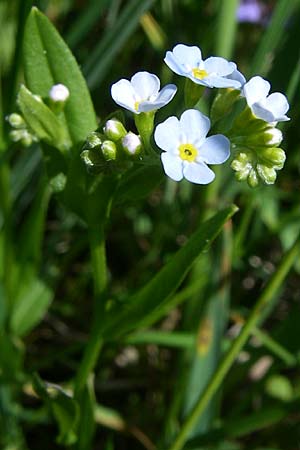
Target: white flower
[(270, 108), (141, 93), (59, 93), (213, 72), (187, 150)]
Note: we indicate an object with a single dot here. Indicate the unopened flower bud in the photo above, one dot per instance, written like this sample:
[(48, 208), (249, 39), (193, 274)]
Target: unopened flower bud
[(59, 93), (273, 156), (242, 166), (114, 129), (93, 140), (267, 174), (253, 178), (109, 150), (272, 137), (23, 136), (132, 144), (16, 121)]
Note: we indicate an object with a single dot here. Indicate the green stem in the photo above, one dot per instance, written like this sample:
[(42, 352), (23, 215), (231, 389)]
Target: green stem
[(216, 381), (8, 253), (144, 123), (98, 257), (192, 93)]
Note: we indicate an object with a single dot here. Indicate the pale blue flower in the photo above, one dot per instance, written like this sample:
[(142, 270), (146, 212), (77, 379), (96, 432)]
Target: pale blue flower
[(213, 72), (141, 93), (270, 108), (187, 150)]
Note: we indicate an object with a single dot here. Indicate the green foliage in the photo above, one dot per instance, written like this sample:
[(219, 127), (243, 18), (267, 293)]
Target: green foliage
[(175, 262), (45, 49)]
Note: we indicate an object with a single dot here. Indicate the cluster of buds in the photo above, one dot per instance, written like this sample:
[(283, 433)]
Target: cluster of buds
[(256, 146), (112, 149), (20, 132)]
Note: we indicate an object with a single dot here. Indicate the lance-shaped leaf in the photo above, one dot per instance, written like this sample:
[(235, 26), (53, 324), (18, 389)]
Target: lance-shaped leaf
[(49, 61), (159, 290), (64, 409), (42, 121)]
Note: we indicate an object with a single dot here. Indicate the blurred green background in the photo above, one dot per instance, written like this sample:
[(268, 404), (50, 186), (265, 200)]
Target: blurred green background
[(146, 383)]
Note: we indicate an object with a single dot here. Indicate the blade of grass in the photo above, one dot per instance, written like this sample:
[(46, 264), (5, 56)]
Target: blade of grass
[(227, 25), (105, 52), (85, 22), (263, 301), (272, 36), (164, 338)]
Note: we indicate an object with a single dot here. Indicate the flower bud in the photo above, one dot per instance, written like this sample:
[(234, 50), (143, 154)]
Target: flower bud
[(273, 156), (109, 150), (59, 93), (253, 178), (93, 140), (132, 144), (16, 121), (272, 137), (23, 136), (267, 174), (242, 166), (114, 129)]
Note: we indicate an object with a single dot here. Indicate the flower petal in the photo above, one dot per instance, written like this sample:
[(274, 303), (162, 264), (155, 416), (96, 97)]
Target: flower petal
[(163, 98), (256, 90), (198, 173), (260, 111), (194, 126), (167, 135), (278, 104), (145, 84), (219, 66), (172, 165), (187, 55), (236, 75), (220, 82), (123, 94), (174, 65), (215, 149)]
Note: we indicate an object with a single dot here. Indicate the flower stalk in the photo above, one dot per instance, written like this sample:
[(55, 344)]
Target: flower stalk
[(253, 320)]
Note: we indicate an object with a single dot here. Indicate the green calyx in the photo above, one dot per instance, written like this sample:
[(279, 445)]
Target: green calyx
[(192, 93), (257, 155), (258, 165)]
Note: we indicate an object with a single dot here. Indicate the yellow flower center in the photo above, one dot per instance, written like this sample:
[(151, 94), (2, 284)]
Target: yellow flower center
[(136, 105), (187, 152), (199, 73)]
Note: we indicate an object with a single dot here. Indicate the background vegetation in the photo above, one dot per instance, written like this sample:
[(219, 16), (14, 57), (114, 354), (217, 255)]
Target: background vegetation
[(147, 381)]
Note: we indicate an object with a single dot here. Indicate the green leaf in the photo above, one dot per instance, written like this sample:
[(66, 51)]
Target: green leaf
[(158, 291), (86, 195), (11, 357), (63, 407), (30, 305), (48, 61), (138, 183), (41, 120)]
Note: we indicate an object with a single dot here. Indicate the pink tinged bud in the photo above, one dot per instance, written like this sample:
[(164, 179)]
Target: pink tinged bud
[(132, 144)]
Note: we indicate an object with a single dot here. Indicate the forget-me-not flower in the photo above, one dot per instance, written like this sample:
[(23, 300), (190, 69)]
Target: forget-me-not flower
[(270, 108), (212, 72), (141, 93), (187, 150)]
